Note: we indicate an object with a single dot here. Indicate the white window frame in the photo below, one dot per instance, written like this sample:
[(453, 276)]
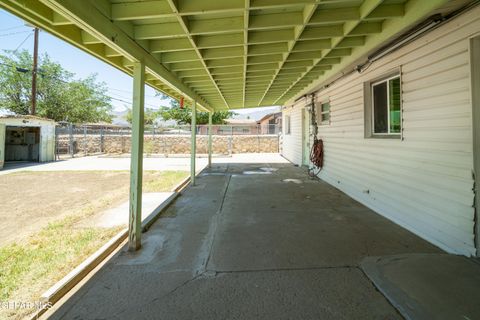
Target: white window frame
[(325, 122), (369, 106)]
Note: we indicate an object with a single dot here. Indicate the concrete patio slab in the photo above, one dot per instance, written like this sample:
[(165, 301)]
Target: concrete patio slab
[(247, 246), (428, 286), (105, 163), (288, 294), (118, 216)]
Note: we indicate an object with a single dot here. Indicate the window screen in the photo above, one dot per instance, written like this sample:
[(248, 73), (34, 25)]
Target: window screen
[(386, 106)]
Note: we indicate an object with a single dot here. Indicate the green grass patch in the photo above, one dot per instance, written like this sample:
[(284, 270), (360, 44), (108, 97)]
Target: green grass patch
[(30, 266), (163, 181), (27, 269)]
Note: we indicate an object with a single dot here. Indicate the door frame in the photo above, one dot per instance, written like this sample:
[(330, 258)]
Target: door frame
[(475, 83), (306, 137)]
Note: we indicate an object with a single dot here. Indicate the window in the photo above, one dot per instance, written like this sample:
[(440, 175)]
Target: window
[(287, 124), (325, 113), (384, 108)]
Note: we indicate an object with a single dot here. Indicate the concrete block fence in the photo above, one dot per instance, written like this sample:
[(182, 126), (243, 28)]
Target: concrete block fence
[(167, 144)]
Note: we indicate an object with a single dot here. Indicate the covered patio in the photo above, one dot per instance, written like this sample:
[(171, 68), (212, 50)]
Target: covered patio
[(250, 241), (260, 239)]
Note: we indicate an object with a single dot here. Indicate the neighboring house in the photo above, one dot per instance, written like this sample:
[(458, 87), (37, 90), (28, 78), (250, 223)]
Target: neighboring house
[(240, 126), (271, 123), (397, 133), (26, 138), (232, 126)]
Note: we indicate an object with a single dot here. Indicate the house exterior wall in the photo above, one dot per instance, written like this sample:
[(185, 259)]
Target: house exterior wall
[(47, 134), (423, 181), (292, 142)]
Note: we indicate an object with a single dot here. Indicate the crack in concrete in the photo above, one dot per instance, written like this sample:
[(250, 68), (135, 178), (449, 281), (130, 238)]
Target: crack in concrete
[(381, 292), (215, 222), (284, 269), (162, 296)]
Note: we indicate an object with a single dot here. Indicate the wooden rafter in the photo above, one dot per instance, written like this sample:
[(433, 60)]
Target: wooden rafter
[(227, 54)]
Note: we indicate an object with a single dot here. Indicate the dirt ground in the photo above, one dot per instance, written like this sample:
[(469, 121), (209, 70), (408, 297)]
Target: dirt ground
[(31, 200)]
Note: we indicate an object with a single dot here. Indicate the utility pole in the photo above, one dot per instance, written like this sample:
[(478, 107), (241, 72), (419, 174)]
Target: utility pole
[(34, 71)]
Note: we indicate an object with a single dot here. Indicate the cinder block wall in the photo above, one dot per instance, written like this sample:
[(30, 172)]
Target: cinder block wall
[(172, 144)]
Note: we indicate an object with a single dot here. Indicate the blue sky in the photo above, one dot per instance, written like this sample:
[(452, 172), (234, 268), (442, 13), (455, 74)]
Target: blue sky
[(14, 34)]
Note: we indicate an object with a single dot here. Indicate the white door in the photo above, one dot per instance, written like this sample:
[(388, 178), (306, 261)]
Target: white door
[(305, 137), (2, 145)]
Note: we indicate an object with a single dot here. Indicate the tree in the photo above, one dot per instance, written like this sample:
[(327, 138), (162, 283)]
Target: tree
[(59, 96), (150, 116), (184, 116)]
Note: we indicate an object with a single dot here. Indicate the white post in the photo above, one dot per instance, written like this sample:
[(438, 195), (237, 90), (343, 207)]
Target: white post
[(210, 114), (136, 158), (194, 143)]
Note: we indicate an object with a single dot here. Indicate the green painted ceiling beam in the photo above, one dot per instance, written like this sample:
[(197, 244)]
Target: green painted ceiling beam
[(178, 56), (42, 16), (140, 10), (185, 26), (414, 11), (225, 62), (159, 31), (276, 20), (261, 49), (335, 15), (350, 42), (364, 10), (235, 53), (264, 58), (387, 11), (94, 22), (191, 7), (221, 53), (216, 26), (170, 45), (256, 37), (322, 32), (219, 41), (366, 28), (305, 55), (307, 13), (59, 20)]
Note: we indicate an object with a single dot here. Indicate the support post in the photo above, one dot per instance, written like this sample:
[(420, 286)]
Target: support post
[(136, 164), (101, 140), (84, 140), (194, 143), (70, 140), (210, 114)]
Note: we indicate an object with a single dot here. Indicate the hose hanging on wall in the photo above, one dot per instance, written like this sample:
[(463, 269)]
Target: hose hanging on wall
[(316, 153)]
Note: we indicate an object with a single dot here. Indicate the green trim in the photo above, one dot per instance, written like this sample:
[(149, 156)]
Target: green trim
[(136, 163)]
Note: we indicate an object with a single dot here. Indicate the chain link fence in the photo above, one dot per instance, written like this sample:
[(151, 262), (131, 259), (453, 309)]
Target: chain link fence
[(82, 140)]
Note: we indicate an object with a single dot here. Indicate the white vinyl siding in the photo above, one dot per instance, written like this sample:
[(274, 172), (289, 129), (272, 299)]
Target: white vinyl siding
[(292, 143), (423, 182)]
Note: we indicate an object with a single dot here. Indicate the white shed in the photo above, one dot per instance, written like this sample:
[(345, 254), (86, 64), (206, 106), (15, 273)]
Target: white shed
[(26, 138)]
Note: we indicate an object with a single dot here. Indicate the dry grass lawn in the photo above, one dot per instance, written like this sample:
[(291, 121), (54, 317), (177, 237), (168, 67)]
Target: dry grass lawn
[(40, 241)]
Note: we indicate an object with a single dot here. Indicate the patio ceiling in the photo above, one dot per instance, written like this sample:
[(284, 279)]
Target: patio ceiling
[(227, 53)]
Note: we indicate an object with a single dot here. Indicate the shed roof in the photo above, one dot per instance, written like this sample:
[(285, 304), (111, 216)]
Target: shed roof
[(25, 117)]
